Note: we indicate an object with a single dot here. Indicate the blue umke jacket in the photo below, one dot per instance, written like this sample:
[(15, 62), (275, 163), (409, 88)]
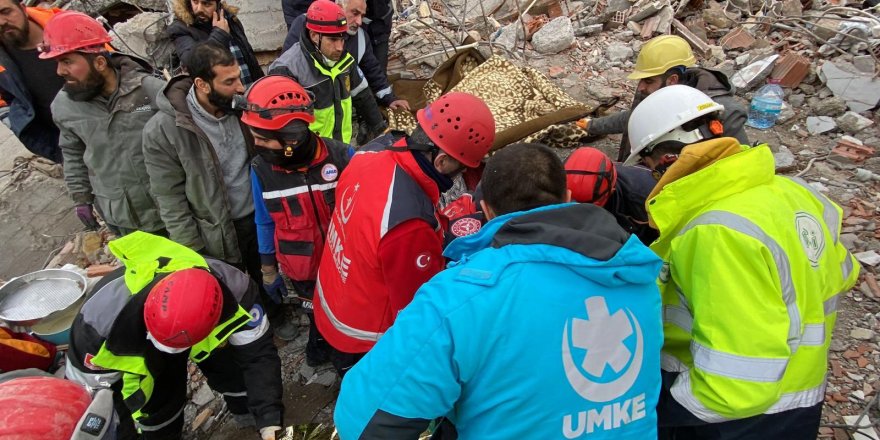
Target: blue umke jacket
[(547, 325)]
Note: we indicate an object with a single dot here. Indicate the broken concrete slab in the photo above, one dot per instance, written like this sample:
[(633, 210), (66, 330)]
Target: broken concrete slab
[(871, 258), (861, 91), (144, 35), (554, 37), (203, 396), (585, 31), (865, 64), (863, 334), (820, 124), (263, 23), (852, 122), (714, 15), (753, 74), (829, 106), (784, 159), (619, 52)]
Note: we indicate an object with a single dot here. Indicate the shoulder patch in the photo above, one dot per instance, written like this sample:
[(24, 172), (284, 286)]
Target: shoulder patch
[(811, 235), (477, 276), (257, 316)]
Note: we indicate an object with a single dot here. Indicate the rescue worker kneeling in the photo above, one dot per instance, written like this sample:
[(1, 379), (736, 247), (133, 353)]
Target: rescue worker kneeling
[(753, 271), (135, 334)]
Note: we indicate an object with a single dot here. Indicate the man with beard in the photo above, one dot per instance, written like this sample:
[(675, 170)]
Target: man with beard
[(321, 64), (101, 111), (370, 75), (294, 180), (201, 20), (197, 154), (27, 83), (664, 61), (386, 234)]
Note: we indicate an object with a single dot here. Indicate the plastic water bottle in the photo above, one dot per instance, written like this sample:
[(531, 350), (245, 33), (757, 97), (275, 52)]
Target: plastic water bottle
[(766, 106)]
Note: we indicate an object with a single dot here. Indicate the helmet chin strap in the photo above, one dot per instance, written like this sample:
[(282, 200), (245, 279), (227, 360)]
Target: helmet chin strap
[(164, 348)]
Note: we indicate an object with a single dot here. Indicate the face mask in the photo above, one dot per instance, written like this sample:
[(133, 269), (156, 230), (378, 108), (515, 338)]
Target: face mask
[(164, 348), (298, 149)]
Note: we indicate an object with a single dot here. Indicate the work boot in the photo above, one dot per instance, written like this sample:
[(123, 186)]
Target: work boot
[(286, 330)]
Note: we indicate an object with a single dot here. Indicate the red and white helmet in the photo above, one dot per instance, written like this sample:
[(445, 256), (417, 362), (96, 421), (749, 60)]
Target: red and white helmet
[(461, 125), (183, 308), (326, 17), (590, 176)]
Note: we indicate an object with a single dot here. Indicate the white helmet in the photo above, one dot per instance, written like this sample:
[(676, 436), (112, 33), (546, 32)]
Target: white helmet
[(659, 118)]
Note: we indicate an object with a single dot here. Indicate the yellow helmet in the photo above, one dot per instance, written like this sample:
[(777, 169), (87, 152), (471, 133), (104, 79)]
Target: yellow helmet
[(661, 54)]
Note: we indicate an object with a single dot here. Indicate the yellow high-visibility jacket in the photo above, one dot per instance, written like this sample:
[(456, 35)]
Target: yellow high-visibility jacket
[(753, 272)]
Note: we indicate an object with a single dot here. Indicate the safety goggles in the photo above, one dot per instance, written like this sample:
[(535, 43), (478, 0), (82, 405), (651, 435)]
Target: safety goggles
[(239, 102)]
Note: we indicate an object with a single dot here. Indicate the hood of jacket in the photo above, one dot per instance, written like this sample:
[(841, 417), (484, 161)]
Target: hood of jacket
[(127, 65), (710, 82), (183, 12), (597, 248), (172, 100), (704, 173)]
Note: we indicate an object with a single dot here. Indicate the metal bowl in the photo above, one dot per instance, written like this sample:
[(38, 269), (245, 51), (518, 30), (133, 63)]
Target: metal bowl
[(39, 294)]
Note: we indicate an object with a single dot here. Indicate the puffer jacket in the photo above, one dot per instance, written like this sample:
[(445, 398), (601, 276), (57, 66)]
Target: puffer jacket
[(186, 176), (101, 143), (186, 33), (711, 82)]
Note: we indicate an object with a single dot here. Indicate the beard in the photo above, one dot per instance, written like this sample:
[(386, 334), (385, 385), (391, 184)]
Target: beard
[(220, 101), (17, 38), (87, 89)]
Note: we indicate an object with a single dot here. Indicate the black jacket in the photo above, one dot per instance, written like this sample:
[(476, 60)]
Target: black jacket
[(113, 319), (627, 201), (378, 12), (186, 32)]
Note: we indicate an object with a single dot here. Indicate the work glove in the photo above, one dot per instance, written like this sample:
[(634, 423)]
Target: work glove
[(87, 216), (273, 283), (269, 432)]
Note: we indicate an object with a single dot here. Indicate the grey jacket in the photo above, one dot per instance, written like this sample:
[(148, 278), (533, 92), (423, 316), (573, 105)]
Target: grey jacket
[(711, 82), (187, 178), (101, 143)]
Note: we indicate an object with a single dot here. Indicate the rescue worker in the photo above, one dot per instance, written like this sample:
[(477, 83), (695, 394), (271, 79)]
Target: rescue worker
[(370, 76), (320, 63), (28, 83), (136, 332), (621, 189), (49, 408), (294, 178), (101, 111), (386, 234), (754, 269), (664, 61), (480, 343)]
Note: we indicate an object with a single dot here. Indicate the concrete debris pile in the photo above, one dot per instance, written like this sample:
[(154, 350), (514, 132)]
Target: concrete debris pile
[(88, 250)]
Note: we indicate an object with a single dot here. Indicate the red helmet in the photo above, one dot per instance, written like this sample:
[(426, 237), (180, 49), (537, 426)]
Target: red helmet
[(183, 308), (41, 408), (326, 17), (72, 31), (461, 125), (590, 175), (275, 100)]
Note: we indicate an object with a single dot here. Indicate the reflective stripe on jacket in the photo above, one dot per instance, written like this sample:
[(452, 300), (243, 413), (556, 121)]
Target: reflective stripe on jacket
[(331, 87), (378, 191), (754, 269), (299, 204), (108, 335)]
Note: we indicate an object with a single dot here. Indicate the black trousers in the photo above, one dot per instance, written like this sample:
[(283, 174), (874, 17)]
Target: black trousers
[(164, 410), (343, 361), (248, 247), (677, 423)]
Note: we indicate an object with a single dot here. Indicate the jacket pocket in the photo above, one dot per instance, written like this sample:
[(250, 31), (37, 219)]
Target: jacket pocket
[(214, 240), (114, 206)]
